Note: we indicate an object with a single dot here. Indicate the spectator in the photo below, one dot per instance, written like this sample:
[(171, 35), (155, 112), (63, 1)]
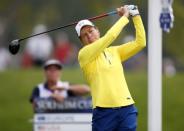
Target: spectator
[(169, 67), (4, 59), (65, 51), (55, 88), (38, 49)]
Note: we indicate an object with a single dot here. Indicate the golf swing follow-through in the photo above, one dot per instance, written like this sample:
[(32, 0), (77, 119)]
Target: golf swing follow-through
[(15, 44), (113, 106)]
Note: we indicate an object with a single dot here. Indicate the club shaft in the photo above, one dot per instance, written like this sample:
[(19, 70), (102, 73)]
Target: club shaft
[(103, 15), (49, 31), (71, 24)]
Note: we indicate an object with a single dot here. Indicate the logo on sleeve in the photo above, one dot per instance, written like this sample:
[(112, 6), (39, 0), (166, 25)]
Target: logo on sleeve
[(128, 98)]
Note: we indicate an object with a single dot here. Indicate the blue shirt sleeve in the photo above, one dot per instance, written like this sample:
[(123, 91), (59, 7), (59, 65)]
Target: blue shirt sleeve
[(35, 94)]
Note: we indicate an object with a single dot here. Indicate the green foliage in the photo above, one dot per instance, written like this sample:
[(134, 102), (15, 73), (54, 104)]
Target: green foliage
[(22, 16)]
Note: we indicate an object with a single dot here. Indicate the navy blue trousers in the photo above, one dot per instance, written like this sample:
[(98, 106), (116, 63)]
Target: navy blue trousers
[(114, 119)]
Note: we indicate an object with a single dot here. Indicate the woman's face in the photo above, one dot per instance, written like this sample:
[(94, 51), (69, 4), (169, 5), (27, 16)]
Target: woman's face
[(89, 34)]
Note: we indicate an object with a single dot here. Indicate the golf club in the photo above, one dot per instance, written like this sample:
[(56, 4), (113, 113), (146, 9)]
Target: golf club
[(15, 44)]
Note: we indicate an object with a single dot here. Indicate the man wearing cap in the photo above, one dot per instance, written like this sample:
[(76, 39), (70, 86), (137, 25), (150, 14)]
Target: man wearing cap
[(113, 106), (53, 87)]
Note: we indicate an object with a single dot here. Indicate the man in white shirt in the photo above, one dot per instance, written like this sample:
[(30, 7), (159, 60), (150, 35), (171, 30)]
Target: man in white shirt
[(53, 87), (39, 48)]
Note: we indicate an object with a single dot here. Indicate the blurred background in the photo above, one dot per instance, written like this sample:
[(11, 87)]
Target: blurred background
[(20, 73)]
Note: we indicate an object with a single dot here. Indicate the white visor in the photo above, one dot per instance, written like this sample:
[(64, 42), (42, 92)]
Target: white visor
[(52, 62), (81, 24)]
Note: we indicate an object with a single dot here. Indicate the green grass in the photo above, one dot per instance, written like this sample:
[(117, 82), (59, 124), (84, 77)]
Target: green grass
[(16, 87), (173, 103)]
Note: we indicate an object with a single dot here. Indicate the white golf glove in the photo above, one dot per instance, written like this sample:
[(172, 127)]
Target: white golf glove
[(133, 10)]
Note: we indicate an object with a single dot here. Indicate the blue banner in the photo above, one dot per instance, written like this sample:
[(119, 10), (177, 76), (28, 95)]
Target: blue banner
[(69, 105)]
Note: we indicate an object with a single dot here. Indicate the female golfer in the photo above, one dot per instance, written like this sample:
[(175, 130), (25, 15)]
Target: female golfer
[(113, 106)]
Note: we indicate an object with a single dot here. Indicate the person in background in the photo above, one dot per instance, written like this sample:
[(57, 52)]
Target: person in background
[(53, 87), (65, 51), (5, 59), (38, 49)]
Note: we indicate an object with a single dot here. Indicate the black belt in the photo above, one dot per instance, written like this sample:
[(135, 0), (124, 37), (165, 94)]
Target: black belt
[(98, 107)]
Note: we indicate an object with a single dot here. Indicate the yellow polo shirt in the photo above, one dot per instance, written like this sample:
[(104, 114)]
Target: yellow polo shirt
[(102, 66)]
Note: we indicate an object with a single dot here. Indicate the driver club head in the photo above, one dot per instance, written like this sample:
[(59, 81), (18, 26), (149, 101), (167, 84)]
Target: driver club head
[(14, 46)]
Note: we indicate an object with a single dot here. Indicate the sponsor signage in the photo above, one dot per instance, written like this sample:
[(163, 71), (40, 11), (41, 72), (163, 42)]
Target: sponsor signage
[(76, 104)]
